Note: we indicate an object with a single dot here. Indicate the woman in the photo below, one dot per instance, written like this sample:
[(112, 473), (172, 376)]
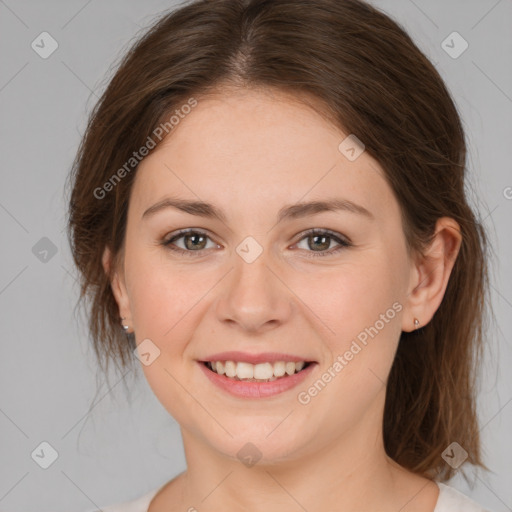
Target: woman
[(268, 210)]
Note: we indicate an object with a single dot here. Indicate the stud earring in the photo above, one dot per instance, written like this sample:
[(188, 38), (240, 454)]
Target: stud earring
[(125, 327), (416, 323)]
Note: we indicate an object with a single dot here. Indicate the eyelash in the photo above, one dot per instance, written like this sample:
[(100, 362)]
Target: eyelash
[(344, 243)]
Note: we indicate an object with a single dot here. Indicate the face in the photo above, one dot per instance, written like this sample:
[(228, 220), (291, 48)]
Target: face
[(259, 283)]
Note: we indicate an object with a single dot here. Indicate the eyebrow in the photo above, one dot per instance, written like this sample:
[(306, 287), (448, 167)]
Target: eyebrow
[(292, 211)]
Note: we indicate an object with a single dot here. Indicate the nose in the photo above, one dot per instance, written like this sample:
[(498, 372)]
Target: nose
[(254, 297)]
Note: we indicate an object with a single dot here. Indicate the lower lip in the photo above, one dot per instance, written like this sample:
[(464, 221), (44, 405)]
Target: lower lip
[(245, 389)]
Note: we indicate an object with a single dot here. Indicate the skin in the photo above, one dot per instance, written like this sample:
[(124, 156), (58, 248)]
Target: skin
[(250, 153)]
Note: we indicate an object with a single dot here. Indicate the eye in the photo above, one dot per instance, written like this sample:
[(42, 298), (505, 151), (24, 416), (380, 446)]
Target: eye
[(194, 241), (320, 239)]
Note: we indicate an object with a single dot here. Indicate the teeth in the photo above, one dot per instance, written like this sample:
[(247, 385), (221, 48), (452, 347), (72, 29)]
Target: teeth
[(230, 367), (256, 372), (263, 371), (245, 371), (290, 368), (279, 369)]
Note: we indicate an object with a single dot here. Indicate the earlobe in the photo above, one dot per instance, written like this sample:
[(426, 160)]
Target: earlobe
[(432, 273)]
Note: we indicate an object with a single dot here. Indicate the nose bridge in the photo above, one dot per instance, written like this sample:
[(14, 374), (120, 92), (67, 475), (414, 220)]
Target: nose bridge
[(254, 296), (251, 270)]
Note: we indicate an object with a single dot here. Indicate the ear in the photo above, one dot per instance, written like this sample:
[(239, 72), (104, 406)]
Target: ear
[(430, 274), (117, 284)]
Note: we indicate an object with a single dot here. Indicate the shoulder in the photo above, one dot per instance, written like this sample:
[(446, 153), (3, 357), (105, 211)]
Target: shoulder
[(452, 500), (141, 504)]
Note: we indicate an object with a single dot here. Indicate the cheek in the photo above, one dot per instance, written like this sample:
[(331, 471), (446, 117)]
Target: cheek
[(343, 301), (360, 312), (162, 295), (164, 305)]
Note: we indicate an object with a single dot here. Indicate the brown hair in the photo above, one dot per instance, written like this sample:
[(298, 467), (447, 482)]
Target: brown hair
[(374, 82)]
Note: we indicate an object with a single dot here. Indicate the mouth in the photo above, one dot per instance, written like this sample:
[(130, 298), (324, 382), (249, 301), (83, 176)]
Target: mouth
[(261, 380), (261, 372)]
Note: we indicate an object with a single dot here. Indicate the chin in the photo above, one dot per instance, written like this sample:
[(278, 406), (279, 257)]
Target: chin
[(260, 442)]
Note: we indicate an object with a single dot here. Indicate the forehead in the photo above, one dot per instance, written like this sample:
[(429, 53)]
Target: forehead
[(250, 149)]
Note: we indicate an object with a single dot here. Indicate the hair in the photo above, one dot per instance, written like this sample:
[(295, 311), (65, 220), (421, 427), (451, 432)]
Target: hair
[(372, 81)]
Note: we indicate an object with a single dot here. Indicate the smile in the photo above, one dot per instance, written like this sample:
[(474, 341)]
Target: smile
[(246, 380), (262, 372)]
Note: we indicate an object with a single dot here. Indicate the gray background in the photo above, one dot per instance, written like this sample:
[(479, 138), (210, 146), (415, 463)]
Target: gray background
[(112, 449)]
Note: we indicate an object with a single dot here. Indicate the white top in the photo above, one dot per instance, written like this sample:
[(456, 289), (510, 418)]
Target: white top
[(449, 500)]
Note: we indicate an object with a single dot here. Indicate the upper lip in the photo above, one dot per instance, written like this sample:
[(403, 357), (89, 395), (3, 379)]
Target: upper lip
[(262, 357)]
